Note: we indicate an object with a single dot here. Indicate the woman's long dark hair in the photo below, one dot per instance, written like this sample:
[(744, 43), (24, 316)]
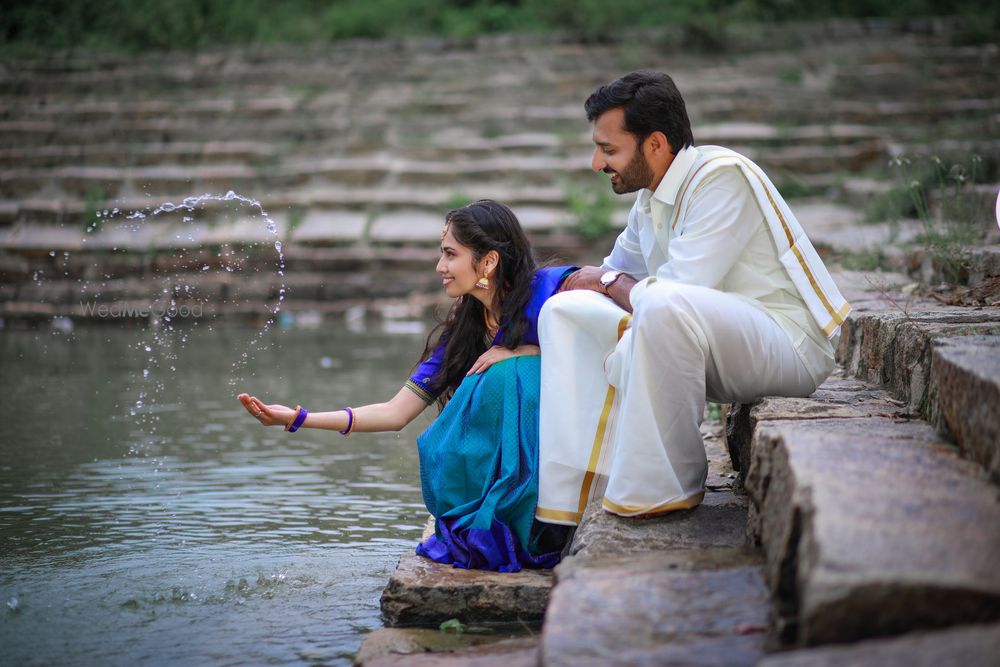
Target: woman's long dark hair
[(483, 226)]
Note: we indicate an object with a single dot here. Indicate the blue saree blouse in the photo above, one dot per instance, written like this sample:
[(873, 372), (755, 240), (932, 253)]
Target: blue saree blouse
[(545, 283)]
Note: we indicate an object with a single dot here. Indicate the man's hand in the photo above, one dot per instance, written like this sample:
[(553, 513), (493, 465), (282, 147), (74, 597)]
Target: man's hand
[(587, 277)]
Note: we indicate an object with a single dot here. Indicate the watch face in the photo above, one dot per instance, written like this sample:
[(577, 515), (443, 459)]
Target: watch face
[(609, 278)]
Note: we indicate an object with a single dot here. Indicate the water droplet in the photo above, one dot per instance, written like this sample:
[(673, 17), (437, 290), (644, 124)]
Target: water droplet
[(205, 268), (149, 349), (145, 372)]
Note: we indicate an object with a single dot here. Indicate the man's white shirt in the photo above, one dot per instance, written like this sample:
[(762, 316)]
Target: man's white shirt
[(722, 242)]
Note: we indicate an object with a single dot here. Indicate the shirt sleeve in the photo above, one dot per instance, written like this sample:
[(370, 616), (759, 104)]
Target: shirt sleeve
[(626, 255), (721, 218), (421, 382)]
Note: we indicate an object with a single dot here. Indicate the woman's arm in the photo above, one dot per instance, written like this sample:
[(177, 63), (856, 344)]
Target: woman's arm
[(499, 353), (392, 415)]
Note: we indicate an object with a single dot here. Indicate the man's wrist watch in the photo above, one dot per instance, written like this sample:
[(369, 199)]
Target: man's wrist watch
[(609, 278)]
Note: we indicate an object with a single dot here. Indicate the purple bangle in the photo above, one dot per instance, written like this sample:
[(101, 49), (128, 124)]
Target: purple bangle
[(350, 422), (298, 421)]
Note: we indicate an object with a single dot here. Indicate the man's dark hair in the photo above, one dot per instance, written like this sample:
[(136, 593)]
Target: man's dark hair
[(651, 103)]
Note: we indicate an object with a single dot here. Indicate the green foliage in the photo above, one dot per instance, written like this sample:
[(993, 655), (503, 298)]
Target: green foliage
[(941, 196), (591, 208), (457, 199), (93, 200), (33, 26), (453, 625)]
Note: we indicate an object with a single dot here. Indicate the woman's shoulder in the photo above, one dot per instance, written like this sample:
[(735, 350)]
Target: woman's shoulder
[(548, 278)]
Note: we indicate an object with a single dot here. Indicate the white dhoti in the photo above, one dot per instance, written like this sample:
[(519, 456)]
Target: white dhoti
[(623, 397)]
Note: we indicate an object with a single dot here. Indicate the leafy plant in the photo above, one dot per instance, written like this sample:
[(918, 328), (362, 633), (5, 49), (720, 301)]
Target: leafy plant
[(941, 195), (592, 209)]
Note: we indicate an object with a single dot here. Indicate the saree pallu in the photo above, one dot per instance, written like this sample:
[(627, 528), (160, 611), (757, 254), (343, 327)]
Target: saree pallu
[(479, 471)]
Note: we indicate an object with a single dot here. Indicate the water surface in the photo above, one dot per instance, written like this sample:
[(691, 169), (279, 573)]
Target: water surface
[(180, 531)]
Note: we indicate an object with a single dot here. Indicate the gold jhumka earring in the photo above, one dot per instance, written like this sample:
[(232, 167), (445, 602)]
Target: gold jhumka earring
[(483, 283)]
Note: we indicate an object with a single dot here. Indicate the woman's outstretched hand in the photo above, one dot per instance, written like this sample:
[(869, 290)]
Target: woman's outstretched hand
[(268, 415), (499, 353)]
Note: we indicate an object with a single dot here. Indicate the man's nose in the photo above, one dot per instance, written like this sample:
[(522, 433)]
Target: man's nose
[(597, 162)]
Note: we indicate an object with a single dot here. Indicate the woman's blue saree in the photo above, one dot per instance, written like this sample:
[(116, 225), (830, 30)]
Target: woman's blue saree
[(478, 470)]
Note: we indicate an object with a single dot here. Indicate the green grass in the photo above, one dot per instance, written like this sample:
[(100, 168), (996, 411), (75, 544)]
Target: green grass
[(32, 27), (938, 191), (592, 207)]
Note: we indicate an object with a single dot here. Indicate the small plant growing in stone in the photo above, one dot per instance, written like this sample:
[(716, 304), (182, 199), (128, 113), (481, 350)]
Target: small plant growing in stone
[(941, 195)]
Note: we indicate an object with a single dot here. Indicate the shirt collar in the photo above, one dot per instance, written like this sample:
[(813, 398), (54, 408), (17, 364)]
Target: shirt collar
[(666, 191)]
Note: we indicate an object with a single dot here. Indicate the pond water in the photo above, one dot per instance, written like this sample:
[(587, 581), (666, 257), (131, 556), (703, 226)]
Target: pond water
[(216, 541)]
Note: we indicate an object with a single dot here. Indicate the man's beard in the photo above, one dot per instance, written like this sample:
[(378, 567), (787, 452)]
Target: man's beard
[(635, 176)]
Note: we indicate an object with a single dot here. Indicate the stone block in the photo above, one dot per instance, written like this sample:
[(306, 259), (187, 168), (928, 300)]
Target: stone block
[(963, 646), (984, 265), (965, 396), (329, 227), (407, 226), (720, 521), (424, 646), (837, 398), (873, 526), (893, 348), (422, 592), (690, 607)]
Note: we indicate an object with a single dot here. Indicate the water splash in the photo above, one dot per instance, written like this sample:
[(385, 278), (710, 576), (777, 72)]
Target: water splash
[(161, 353)]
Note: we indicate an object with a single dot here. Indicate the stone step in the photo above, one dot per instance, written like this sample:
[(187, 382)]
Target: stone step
[(419, 647), (857, 517), (150, 154), (318, 198), (353, 172), (893, 348), (445, 143), (967, 645), (421, 592), (371, 172), (837, 398), (690, 607), (965, 395), (682, 588)]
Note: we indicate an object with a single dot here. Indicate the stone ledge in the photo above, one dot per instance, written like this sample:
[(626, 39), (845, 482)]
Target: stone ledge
[(970, 645), (422, 592), (965, 396), (893, 348), (720, 521), (837, 398), (414, 647), (694, 607), (859, 523)]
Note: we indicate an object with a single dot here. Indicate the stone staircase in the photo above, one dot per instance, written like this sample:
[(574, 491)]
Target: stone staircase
[(842, 528), (355, 151)]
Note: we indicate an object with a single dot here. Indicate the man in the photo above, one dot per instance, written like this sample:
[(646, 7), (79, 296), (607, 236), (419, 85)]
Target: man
[(712, 291)]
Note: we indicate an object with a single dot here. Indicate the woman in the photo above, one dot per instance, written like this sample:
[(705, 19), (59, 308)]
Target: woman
[(479, 459)]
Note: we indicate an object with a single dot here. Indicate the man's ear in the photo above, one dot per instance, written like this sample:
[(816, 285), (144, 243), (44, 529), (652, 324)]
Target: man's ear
[(658, 145)]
